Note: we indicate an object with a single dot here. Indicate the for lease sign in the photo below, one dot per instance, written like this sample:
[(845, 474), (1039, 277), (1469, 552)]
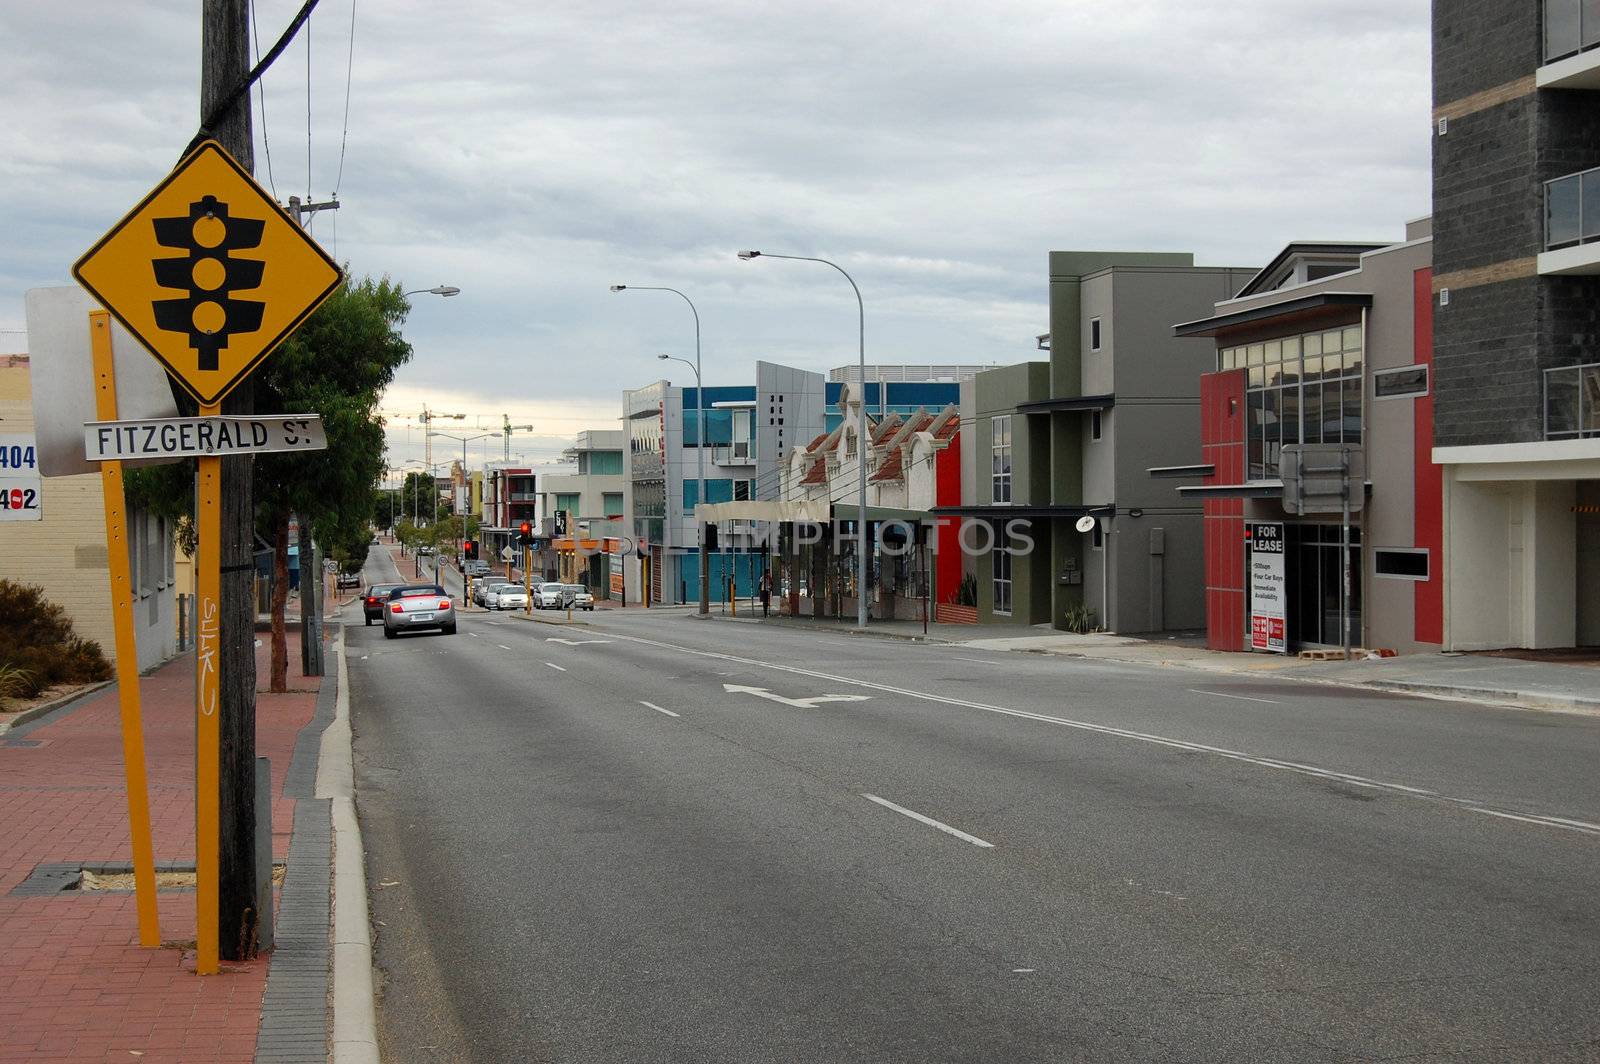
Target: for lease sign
[(1268, 600), (19, 478), (183, 436)]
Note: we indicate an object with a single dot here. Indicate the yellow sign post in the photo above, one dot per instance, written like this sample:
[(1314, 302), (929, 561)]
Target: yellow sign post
[(210, 274), (133, 762)]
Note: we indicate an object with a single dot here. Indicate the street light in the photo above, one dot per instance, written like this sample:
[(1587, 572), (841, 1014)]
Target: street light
[(700, 437), (445, 290), (861, 429)]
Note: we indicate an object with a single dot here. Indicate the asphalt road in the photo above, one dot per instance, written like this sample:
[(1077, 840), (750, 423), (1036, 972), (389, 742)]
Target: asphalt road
[(650, 838)]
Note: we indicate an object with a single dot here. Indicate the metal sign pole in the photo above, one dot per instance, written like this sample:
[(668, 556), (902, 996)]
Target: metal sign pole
[(208, 657), (133, 760), (1344, 553)]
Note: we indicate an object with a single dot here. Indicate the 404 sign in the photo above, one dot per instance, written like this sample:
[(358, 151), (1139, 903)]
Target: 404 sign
[(19, 478)]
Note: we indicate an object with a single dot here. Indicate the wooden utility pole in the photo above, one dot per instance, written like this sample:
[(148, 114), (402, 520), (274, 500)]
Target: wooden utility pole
[(224, 63)]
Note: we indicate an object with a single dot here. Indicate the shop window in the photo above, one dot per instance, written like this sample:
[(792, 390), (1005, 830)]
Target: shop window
[(1000, 570), (1397, 383), (1000, 474)]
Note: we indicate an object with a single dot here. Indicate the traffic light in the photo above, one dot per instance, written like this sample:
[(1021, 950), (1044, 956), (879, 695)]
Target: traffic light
[(209, 313), (471, 551), (525, 534), (561, 522)]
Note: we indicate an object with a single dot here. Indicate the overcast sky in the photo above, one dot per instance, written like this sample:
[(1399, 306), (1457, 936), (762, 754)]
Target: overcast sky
[(535, 153)]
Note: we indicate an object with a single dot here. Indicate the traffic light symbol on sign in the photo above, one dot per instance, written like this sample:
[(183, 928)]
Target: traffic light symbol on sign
[(209, 273)]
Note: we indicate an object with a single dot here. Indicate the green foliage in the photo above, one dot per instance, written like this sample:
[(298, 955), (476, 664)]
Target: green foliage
[(1079, 618), (967, 593), (38, 647), (408, 534), (337, 365), (14, 680)]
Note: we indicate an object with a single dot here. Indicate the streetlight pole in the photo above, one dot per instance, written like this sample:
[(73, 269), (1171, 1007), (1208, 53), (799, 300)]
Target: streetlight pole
[(705, 547), (700, 440), (861, 428)]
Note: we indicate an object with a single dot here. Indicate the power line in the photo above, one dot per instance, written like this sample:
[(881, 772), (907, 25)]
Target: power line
[(261, 92), (349, 70)]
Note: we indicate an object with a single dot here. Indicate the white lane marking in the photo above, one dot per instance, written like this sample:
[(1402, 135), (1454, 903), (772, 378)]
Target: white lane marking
[(1547, 821), (984, 661), (798, 703), (473, 634), (1276, 764), (574, 642), (1023, 971), (928, 820), (554, 666), (502, 646), (658, 709), (1242, 698)]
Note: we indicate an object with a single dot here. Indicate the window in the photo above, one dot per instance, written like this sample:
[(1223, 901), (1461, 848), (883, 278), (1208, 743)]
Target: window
[(1000, 477), (1000, 569), (1299, 389), (1094, 425), (741, 491), (741, 433), (1398, 383), (1094, 334), (611, 502), (1401, 563)]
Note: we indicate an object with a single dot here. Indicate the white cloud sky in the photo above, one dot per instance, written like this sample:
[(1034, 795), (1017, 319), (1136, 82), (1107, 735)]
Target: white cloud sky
[(535, 153)]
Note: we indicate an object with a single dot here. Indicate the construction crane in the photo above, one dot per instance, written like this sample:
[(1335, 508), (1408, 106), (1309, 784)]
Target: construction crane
[(428, 417), (508, 430)]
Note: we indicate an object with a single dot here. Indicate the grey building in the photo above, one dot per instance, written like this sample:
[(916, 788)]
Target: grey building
[(1516, 291), (1073, 437)]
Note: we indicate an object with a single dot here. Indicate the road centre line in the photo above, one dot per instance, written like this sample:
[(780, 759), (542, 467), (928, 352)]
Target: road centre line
[(658, 709), (554, 666), (1242, 698), (502, 646), (928, 820), (1276, 764)]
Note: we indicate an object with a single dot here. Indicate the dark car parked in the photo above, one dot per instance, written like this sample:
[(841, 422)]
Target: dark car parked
[(372, 604)]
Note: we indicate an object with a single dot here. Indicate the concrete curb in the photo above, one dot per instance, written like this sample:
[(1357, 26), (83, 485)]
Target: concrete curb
[(1549, 703), (355, 1016), (27, 716)]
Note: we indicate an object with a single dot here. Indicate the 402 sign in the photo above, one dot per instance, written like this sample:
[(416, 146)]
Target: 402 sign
[(19, 478)]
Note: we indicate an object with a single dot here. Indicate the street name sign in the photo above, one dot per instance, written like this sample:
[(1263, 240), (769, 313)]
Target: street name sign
[(182, 437), (19, 478), (209, 273)]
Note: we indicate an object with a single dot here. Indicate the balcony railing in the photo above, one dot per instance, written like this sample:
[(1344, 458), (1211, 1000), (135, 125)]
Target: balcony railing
[(1570, 27), (1572, 209), (1572, 402)]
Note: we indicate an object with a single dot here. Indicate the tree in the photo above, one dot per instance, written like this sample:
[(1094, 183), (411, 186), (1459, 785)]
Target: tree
[(337, 365)]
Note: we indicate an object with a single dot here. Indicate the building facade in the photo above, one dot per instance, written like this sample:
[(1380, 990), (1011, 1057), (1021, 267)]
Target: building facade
[(1329, 345), (1516, 295), (1072, 438), (64, 552)]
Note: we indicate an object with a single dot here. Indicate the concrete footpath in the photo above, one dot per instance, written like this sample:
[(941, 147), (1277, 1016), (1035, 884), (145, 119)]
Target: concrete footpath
[(74, 983), (1546, 685)]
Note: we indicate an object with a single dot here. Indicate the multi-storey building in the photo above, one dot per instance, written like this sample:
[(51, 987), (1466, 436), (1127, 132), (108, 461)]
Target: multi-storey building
[(1330, 344), (742, 433), (1516, 293), (1055, 442)]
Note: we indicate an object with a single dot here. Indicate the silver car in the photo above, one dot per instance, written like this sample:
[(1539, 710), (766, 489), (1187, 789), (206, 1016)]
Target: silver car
[(579, 597), (507, 597), (416, 607), (550, 596)]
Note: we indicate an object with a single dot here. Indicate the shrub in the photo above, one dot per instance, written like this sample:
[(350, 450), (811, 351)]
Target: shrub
[(1079, 618), (38, 645), (967, 593), (14, 680)]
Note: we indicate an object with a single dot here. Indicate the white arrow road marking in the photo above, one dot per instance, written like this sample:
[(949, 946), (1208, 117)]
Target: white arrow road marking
[(798, 703), (574, 642), (928, 820)]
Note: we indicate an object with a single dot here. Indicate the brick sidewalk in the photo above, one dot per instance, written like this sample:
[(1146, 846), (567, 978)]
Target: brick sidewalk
[(74, 983)]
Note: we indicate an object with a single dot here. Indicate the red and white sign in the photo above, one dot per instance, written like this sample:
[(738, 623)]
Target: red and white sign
[(1268, 600)]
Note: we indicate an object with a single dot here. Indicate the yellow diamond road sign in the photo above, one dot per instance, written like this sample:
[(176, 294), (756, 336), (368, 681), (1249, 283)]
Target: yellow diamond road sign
[(209, 273)]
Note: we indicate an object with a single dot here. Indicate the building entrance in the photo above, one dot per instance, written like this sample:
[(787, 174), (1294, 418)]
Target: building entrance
[(1313, 575)]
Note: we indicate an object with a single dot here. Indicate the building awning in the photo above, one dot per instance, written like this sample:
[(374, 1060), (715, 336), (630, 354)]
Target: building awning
[(1182, 472), (1255, 489), (1068, 404), (1290, 311), (1001, 513)]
